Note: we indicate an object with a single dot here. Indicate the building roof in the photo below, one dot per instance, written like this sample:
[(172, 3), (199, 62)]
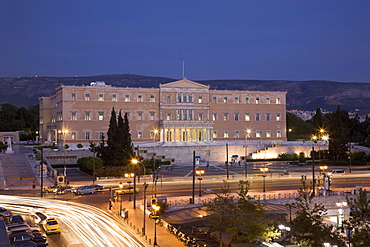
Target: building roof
[(183, 83)]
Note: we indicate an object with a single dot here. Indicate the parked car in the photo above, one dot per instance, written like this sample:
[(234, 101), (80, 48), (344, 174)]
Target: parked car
[(50, 226), (5, 213), (98, 187), (14, 237), (87, 189), (127, 190), (16, 219)]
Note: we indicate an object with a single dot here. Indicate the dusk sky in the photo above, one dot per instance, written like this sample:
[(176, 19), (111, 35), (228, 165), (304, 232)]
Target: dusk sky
[(230, 39)]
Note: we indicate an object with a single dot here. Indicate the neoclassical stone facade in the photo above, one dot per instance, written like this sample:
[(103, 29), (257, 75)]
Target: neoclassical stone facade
[(180, 111)]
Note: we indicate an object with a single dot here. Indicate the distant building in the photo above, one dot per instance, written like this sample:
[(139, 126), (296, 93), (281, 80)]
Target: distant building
[(180, 111)]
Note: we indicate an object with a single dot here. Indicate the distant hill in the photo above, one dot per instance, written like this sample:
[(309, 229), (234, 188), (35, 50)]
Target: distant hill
[(303, 95)]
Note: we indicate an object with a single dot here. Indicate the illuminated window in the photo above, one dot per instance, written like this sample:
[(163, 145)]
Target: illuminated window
[(101, 97), (226, 116), (152, 98), (87, 97), (277, 101), (168, 116), (100, 116), (247, 117), (278, 133), (258, 116), (73, 96), (127, 98), (87, 115), (73, 116), (225, 99), (236, 100), (278, 116), (200, 116), (268, 116), (73, 136), (258, 133), (236, 134), (268, 133), (215, 134), (268, 100), (214, 116), (226, 134), (257, 100), (114, 97), (139, 134), (139, 116), (200, 99), (139, 98), (87, 135), (151, 116), (236, 116)]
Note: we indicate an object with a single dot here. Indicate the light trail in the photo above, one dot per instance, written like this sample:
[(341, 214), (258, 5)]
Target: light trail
[(89, 225)]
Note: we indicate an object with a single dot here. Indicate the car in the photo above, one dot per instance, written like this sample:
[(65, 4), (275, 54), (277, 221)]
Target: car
[(69, 189), (40, 217), (87, 189), (51, 189), (5, 213), (337, 171), (51, 226), (15, 237), (16, 219), (25, 243), (17, 227), (127, 190), (98, 187)]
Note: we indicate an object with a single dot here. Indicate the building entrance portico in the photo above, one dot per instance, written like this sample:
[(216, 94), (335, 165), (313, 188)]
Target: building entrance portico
[(185, 134)]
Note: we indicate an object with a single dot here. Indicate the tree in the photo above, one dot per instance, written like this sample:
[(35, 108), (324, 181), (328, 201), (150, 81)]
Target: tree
[(88, 163), (308, 228), (359, 222), (318, 119), (80, 146)]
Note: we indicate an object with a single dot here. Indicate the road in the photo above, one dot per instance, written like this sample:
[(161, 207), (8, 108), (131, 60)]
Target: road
[(80, 223)]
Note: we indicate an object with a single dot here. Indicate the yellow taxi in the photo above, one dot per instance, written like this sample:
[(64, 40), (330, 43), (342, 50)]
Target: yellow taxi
[(51, 226), (127, 190)]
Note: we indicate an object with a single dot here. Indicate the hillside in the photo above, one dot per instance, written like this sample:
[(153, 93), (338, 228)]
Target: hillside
[(304, 95)]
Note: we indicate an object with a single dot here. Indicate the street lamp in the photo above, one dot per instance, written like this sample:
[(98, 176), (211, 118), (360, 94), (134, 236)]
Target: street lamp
[(200, 173), (135, 162), (154, 133), (264, 170), (121, 199), (155, 217), (341, 213), (247, 134), (284, 229), (323, 168), (129, 175), (64, 132), (145, 187)]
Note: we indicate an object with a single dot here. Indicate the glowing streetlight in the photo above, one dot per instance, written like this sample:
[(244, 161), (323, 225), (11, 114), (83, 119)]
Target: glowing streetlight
[(264, 170), (155, 217), (129, 175), (200, 173), (120, 185)]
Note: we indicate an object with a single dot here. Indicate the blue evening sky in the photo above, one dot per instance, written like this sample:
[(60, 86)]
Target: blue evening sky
[(221, 39)]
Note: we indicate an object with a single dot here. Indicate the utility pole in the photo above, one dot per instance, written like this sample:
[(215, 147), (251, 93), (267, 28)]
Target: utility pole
[(193, 194)]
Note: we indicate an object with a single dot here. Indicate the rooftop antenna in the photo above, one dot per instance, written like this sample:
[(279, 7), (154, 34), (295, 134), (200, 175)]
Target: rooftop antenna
[(183, 65)]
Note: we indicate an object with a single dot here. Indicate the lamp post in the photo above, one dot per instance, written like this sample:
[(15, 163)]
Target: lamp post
[(129, 175), (200, 173), (120, 185), (155, 217), (323, 168), (135, 162), (341, 214), (284, 229), (264, 170), (154, 133), (64, 132), (247, 134), (145, 187)]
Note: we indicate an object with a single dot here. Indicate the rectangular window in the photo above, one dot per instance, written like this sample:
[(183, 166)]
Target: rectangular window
[(128, 115), (200, 116), (214, 99), (248, 133), (278, 133), (268, 116), (215, 134), (226, 116), (114, 97), (139, 134), (236, 100), (257, 100), (236, 134), (73, 96), (247, 117), (73, 116), (258, 116), (258, 133), (185, 117), (268, 100), (190, 116), (87, 135), (139, 116), (225, 99), (152, 98), (278, 117), (236, 116), (179, 116), (200, 99), (277, 101), (247, 100), (168, 98), (214, 116), (73, 136), (87, 97), (184, 99), (152, 116), (226, 134), (101, 135), (179, 98), (87, 115), (268, 133), (168, 116), (190, 99), (100, 116), (127, 98), (139, 98), (100, 97)]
